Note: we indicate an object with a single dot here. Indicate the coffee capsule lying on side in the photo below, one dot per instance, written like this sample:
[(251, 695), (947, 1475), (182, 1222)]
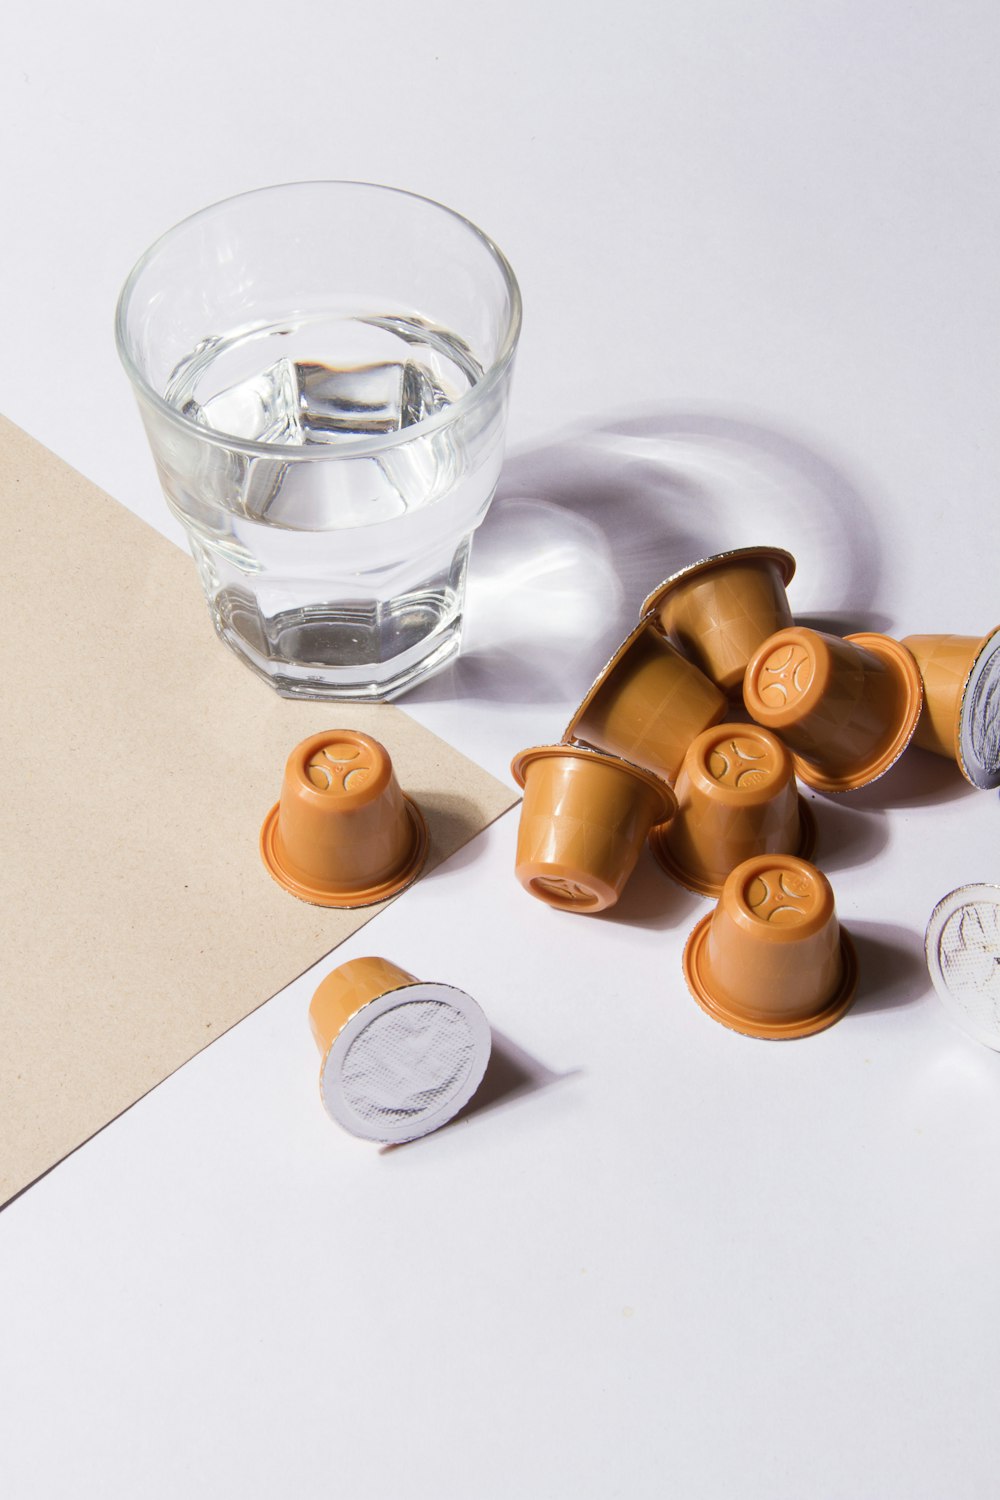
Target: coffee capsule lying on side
[(962, 945), (400, 1057), (961, 713), (847, 708)]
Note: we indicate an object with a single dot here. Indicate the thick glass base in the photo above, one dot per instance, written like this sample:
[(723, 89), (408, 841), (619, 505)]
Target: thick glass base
[(344, 681)]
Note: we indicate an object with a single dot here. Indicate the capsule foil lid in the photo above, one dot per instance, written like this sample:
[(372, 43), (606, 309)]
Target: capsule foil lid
[(979, 720)]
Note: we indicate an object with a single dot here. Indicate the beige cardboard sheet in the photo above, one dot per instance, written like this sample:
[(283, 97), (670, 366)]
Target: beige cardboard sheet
[(138, 757)]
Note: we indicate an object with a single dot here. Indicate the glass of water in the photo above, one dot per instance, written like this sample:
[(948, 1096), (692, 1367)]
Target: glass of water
[(323, 372)]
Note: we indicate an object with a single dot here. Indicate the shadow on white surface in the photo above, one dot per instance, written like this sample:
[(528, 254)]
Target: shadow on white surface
[(847, 835), (511, 1074), (651, 899), (918, 779), (891, 968), (458, 821), (586, 525), (846, 622)]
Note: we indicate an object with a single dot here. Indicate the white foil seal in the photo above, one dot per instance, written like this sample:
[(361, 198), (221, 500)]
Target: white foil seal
[(979, 721), (963, 955), (406, 1062)]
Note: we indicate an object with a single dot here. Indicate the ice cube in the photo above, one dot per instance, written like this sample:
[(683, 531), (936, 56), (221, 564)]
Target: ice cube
[(264, 408), (361, 399), (306, 402), (358, 399)]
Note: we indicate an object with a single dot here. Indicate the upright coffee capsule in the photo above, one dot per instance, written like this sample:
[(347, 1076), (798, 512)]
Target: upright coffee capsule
[(736, 797), (963, 955), (584, 819), (847, 708), (343, 833), (400, 1057), (719, 610), (772, 960), (961, 714), (647, 704)]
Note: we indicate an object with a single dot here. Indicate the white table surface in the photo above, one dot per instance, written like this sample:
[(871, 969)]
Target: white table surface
[(758, 250)]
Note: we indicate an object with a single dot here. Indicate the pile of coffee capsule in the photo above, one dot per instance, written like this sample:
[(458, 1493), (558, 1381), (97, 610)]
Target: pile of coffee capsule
[(691, 739)]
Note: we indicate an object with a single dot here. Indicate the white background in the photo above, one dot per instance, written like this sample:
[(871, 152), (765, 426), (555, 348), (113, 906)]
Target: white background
[(757, 244)]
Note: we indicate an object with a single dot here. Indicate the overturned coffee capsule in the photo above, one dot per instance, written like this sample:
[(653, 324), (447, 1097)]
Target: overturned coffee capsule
[(961, 713), (772, 960), (736, 797), (647, 704), (846, 708), (400, 1057), (343, 833), (719, 610), (584, 819)]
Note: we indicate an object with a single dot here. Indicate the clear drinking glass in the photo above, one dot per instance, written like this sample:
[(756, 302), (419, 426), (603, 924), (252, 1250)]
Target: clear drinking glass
[(323, 371)]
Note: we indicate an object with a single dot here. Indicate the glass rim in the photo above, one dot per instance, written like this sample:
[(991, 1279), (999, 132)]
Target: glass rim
[(347, 447)]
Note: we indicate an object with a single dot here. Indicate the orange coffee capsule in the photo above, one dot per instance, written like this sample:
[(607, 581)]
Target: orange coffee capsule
[(343, 833), (647, 704), (584, 819), (772, 960), (736, 797), (719, 610), (847, 708), (400, 1057), (961, 715)]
